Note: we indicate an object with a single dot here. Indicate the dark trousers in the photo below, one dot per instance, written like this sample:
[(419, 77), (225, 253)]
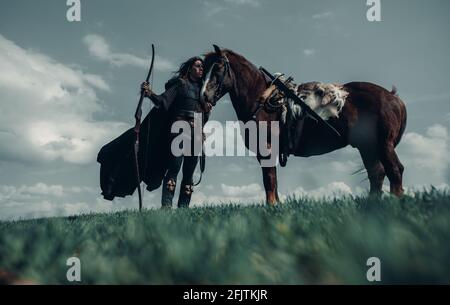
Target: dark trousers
[(175, 163)]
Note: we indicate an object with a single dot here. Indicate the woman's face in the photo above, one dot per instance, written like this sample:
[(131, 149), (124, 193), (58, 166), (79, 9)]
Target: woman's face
[(197, 70)]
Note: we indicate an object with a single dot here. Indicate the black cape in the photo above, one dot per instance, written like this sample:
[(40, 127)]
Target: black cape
[(117, 162)]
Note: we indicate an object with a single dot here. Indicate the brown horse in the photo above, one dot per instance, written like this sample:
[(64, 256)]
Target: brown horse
[(372, 120)]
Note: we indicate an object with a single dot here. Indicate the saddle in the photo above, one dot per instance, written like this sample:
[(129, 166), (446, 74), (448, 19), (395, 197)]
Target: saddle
[(273, 101), (327, 100)]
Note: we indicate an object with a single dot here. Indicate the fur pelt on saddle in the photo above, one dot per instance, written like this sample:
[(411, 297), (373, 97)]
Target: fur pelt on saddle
[(327, 100)]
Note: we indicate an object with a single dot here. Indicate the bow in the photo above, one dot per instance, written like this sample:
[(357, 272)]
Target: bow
[(137, 128)]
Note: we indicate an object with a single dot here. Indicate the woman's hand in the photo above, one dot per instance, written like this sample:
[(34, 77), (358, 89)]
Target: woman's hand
[(145, 87), (208, 107)]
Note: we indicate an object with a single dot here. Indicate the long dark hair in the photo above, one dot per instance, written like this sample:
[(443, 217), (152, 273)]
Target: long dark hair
[(185, 67), (183, 71)]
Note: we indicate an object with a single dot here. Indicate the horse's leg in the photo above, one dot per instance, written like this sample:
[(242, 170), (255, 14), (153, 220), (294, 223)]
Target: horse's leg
[(269, 172), (270, 184), (393, 168), (375, 170)]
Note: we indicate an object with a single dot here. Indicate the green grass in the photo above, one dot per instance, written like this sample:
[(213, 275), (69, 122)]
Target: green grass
[(299, 242)]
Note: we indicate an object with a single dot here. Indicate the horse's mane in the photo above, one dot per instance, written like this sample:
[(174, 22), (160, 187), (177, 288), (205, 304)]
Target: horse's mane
[(250, 82), (233, 57), (209, 57)]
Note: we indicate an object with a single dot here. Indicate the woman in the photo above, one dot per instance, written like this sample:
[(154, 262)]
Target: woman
[(182, 100)]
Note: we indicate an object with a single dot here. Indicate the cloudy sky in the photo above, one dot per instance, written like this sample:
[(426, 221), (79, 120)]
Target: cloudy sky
[(67, 88)]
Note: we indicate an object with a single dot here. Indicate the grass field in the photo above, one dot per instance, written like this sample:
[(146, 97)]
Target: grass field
[(299, 242)]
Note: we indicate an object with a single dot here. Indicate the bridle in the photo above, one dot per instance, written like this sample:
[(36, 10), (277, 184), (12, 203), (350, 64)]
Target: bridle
[(270, 106), (219, 88)]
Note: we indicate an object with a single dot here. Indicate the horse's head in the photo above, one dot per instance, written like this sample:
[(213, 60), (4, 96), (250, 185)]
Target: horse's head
[(218, 79)]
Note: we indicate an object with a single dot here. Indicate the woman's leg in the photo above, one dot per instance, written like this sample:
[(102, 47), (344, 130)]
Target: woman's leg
[(170, 180), (187, 184)]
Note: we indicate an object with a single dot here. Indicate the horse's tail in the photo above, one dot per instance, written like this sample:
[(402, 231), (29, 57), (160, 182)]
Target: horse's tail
[(403, 118), (403, 121), (394, 90)]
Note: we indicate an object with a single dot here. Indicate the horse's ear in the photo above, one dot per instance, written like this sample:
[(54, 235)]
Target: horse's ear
[(217, 49)]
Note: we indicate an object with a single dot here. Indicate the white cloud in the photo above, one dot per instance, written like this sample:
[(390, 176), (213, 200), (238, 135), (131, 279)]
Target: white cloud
[(332, 190), (340, 189), (411, 190), (253, 3), (429, 98), (100, 49), (211, 9), (234, 168), (241, 191), (39, 191), (47, 109), (425, 154), (255, 194), (322, 16), (42, 200), (244, 194), (43, 189), (348, 166), (309, 52)]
